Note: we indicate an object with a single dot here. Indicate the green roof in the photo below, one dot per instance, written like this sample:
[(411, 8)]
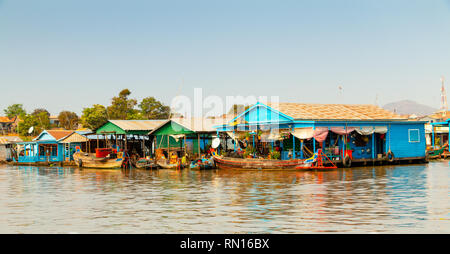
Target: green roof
[(171, 128), (129, 127)]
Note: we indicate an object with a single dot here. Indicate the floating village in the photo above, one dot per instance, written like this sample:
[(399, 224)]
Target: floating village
[(281, 136)]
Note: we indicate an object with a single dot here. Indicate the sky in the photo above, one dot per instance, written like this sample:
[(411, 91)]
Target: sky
[(68, 55)]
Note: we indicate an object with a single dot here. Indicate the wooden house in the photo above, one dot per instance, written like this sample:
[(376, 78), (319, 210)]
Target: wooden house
[(358, 133), (46, 147), (193, 135), (131, 135)]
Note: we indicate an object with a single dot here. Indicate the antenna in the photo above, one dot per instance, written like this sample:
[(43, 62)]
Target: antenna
[(30, 130), (341, 89), (444, 106)]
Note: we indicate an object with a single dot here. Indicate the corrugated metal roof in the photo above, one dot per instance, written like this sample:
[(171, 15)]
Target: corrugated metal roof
[(137, 125), (9, 139), (198, 124), (335, 111)]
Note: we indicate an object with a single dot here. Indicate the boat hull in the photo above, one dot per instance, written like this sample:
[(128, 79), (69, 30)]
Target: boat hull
[(84, 160), (165, 165), (261, 164)]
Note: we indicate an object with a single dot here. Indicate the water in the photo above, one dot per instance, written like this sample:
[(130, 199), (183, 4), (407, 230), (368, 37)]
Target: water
[(390, 199)]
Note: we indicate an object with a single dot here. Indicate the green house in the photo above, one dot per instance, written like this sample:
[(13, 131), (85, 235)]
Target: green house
[(194, 135)]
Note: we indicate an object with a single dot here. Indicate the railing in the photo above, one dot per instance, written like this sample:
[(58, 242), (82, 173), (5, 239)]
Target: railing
[(29, 159)]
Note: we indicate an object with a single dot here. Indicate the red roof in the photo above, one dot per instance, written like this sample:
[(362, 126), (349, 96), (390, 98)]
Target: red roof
[(59, 134), (5, 119)]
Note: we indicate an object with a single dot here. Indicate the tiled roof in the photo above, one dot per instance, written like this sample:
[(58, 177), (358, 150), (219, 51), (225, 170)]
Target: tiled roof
[(59, 134), (5, 119), (440, 115), (335, 111)]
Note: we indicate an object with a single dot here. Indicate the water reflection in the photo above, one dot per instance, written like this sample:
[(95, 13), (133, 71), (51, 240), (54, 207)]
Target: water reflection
[(391, 199)]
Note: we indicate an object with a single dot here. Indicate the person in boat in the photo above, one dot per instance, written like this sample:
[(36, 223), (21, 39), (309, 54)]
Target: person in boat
[(173, 158)]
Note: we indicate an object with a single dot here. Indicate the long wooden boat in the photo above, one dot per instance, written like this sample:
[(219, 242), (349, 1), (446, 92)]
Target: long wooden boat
[(239, 163), (86, 160), (163, 164), (436, 153), (146, 164)]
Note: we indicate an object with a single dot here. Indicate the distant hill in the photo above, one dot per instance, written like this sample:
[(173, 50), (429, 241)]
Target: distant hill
[(407, 107)]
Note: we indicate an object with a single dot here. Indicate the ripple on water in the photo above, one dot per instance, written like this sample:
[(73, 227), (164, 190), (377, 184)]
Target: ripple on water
[(394, 199)]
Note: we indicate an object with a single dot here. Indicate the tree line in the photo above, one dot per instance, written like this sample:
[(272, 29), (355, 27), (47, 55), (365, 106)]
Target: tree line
[(122, 108)]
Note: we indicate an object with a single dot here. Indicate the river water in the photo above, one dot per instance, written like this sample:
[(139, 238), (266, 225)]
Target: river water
[(381, 199)]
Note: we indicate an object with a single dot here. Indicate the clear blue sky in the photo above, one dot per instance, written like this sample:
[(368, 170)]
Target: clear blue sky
[(66, 55)]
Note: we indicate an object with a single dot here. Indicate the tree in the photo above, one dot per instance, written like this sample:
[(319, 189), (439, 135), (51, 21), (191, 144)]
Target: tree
[(154, 109), (28, 121), (15, 110), (94, 117), (43, 120), (121, 107), (40, 110), (68, 120)]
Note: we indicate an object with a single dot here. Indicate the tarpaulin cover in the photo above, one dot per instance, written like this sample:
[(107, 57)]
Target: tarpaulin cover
[(320, 134), (342, 130), (303, 133), (371, 130)]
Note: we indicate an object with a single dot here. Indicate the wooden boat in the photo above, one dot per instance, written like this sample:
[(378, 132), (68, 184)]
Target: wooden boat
[(165, 165), (202, 164), (145, 164), (437, 153), (86, 160), (239, 163)]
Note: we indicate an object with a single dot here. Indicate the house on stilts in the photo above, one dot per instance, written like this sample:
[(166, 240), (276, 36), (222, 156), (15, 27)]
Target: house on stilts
[(347, 134)]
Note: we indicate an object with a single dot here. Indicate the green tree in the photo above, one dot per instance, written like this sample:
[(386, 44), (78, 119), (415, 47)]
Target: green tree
[(40, 110), (43, 120), (94, 117), (28, 121), (68, 120), (154, 109), (15, 110), (121, 107)]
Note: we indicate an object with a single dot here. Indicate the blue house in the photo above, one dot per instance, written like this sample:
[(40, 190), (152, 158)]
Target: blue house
[(46, 147), (345, 133)]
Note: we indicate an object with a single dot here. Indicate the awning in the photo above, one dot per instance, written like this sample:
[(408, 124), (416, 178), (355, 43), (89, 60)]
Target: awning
[(303, 133), (342, 130), (371, 130), (319, 134)]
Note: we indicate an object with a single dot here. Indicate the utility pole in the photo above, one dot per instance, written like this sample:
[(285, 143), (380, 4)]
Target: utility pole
[(444, 107)]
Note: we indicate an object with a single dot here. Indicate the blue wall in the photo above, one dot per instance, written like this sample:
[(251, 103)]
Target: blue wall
[(397, 138), (400, 144)]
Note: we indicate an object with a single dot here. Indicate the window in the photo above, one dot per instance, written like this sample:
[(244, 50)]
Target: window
[(413, 135)]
